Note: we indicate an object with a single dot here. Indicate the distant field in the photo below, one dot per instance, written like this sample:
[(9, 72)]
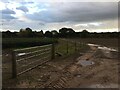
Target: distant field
[(109, 42), (25, 42)]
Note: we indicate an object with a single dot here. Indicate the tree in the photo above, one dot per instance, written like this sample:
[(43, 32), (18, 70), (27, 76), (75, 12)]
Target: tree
[(7, 34), (25, 33), (38, 34), (48, 34), (85, 34), (70, 32), (62, 32), (21, 33), (55, 33), (66, 32), (41, 34), (29, 32)]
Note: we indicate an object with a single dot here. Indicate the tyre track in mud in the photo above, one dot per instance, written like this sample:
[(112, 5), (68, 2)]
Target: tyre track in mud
[(67, 73), (60, 81)]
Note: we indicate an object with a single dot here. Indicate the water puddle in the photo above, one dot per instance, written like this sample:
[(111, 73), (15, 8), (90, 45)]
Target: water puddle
[(89, 44), (102, 47), (77, 75), (86, 63), (107, 49), (7, 55)]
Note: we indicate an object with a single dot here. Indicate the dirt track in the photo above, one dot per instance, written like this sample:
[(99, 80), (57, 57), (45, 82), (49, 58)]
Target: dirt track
[(102, 72)]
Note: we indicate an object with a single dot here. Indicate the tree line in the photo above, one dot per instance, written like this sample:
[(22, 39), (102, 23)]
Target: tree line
[(62, 33)]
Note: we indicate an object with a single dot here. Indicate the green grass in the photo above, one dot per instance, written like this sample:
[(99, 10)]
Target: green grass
[(61, 47), (26, 42)]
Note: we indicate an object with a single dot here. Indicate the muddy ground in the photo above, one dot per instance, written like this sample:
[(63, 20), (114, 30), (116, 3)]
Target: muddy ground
[(95, 68)]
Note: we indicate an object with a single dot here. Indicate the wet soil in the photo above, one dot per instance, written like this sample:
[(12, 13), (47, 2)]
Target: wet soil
[(99, 69)]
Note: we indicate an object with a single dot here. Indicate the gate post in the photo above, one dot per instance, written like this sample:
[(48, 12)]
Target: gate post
[(14, 71), (75, 46), (67, 47), (53, 51)]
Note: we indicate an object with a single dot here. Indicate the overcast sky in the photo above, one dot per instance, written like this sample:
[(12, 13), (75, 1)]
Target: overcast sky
[(93, 16)]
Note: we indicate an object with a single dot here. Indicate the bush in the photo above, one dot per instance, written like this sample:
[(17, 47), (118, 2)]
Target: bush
[(26, 42)]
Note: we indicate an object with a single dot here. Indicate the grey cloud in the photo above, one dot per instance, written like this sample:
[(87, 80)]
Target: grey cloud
[(87, 12), (23, 8), (77, 12), (73, 13), (40, 23), (5, 1), (25, 3), (8, 17), (7, 11)]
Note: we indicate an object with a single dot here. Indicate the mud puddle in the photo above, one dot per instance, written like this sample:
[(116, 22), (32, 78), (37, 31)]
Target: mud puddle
[(107, 49), (89, 44), (102, 47), (86, 63)]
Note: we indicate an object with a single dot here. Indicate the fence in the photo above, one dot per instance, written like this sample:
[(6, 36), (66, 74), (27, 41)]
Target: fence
[(66, 47), (75, 45), (26, 59)]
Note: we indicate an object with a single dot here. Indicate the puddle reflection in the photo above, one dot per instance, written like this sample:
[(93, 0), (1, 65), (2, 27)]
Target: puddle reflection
[(86, 63)]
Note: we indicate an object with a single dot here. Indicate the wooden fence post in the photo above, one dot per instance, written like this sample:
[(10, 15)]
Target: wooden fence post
[(67, 46), (14, 71), (75, 46), (53, 51)]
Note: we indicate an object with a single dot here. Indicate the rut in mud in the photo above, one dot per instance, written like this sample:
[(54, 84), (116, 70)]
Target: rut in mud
[(96, 68), (67, 73), (70, 73)]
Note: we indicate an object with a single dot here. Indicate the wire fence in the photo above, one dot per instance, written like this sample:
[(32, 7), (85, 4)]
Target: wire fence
[(67, 47)]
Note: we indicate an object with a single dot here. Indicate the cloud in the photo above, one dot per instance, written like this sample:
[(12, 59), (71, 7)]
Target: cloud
[(7, 14), (47, 16), (84, 25), (93, 24), (76, 12), (23, 8), (25, 3), (7, 11), (8, 17)]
